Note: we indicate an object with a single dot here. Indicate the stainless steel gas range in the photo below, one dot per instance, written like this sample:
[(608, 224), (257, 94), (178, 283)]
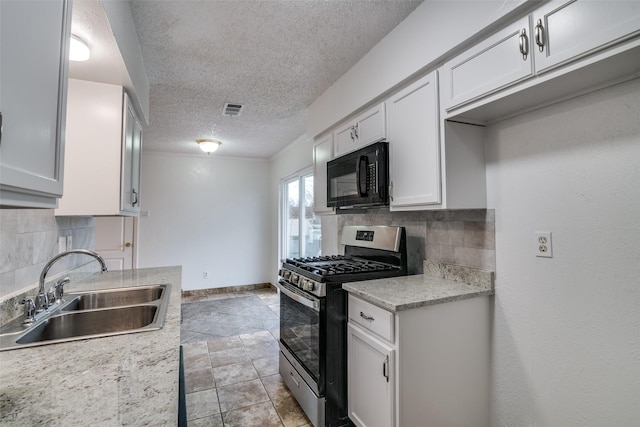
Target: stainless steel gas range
[(313, 316)]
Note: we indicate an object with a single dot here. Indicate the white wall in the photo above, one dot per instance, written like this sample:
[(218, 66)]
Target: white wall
[(429, 32), (207, 213), (566, 342), (295, 157)]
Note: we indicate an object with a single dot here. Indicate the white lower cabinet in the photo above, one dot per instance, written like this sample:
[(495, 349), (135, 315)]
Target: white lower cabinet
[(370, 370), (432, 370)]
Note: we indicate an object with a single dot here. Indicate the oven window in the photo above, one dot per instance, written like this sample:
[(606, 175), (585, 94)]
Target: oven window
[(301, 228), (300, 333)]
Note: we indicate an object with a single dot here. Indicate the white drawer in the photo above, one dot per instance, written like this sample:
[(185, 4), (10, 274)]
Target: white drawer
[(371, 317)]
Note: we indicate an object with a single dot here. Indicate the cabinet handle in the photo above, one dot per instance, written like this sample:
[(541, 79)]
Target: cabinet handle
[(351, 133), (134, 197), (540, 35), (365, 317), (391, 192), (524, 44), (0, 128), (385, 368), (356, 131)]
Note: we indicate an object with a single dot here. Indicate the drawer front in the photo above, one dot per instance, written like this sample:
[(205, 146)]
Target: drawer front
[(371, 317)]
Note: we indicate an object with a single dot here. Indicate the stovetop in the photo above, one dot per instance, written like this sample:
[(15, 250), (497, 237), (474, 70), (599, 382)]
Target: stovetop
[(333, 265)]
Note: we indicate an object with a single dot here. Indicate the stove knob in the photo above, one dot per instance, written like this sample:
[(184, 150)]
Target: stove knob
[(281, 272), (303, 284), (294, 278), (286, 274), (309, 286)]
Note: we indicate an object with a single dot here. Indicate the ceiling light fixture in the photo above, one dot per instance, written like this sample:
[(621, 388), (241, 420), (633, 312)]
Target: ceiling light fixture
[(208, 145), (79, 49)]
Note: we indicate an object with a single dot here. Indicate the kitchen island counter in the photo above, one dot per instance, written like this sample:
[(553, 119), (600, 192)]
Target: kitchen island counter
[(407, 292), (129, 379)]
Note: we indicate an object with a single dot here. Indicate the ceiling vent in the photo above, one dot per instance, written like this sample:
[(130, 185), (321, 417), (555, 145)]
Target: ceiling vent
[(232, 110)]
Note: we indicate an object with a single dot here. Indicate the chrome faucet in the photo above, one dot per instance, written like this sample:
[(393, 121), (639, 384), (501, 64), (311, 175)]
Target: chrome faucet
[(42, 300)]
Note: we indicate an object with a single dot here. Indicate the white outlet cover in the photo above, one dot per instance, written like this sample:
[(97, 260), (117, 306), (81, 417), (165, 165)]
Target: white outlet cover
[(543, 247), (62, 244)]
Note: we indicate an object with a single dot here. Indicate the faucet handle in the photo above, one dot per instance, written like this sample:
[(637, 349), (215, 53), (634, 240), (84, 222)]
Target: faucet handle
[(29, 310), (59, 288), (41, 302)]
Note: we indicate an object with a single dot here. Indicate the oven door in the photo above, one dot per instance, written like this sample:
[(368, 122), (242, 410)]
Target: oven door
[(302, 324)]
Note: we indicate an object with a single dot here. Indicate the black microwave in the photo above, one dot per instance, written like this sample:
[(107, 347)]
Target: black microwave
[(359, 179)]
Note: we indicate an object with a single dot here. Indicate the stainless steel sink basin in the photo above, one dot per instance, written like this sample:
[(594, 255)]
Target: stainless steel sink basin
[(91, 323), (91, 315), (115, 298)]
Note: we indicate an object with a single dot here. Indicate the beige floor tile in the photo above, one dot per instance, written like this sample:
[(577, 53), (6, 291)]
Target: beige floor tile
[(256, 338), (242, 394), (290, 412), (266, 366), (225, 343), (212, 421), (264, 349), (236, 373), (202, 404), (198, 380), (262, 414), (228, 357), (276, 389)]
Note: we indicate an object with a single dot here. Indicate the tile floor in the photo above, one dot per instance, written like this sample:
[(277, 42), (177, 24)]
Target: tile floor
[(230, 344)]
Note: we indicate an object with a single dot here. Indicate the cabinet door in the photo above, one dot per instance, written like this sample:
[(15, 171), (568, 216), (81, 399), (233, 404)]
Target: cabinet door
[(370, 127), (33, 76), (367, 128), (371, 379), (131, 145), (344, 138), (566, 30), (414, 144), (322, 153), (491, 65)]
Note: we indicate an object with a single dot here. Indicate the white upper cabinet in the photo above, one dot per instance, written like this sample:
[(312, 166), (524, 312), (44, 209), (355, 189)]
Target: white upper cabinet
[(413, 125), (322, 153), (565, 30), (561, 49), (365, 129), (34, 37), (102, 159), (495, 63)]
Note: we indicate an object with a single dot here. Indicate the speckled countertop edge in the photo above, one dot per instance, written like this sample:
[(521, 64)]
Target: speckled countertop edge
[(407, 292), (127, 379)]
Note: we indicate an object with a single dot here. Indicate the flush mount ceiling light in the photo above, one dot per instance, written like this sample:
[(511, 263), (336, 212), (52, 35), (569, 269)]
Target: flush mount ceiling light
[(79, 49), (208, 145)]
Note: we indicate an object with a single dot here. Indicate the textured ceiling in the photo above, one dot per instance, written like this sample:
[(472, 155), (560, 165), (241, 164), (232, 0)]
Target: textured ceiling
[(274, 57)]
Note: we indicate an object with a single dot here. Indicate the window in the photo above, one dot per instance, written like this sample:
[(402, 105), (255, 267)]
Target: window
[(301, 228)]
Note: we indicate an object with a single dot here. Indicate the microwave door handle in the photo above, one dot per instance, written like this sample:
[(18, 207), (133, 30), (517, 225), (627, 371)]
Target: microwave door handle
[(361, 175)]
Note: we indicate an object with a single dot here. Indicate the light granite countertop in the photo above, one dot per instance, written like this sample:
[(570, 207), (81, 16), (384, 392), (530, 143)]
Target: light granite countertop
[(127, 379), (406, 292)]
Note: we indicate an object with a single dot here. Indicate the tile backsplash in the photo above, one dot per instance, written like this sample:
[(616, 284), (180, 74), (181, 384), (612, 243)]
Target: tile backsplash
[(29, 238), (460, 237)]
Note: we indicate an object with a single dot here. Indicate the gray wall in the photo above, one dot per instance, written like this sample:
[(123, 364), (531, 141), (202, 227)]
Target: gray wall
[(566, 336)]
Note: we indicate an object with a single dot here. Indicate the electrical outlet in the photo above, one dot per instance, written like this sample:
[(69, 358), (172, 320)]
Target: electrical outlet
[(62, 244), (205, 274), (69, 243), (543, 244), (145, 214)]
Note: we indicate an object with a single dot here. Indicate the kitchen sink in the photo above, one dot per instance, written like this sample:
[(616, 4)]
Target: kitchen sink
[(91, 323), (92, 314), (115, 298)]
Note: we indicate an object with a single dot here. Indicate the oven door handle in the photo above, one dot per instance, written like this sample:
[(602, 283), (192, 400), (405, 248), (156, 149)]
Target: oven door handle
[(311, 303)]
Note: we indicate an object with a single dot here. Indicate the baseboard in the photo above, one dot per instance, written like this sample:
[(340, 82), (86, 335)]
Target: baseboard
[(226, 289)]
